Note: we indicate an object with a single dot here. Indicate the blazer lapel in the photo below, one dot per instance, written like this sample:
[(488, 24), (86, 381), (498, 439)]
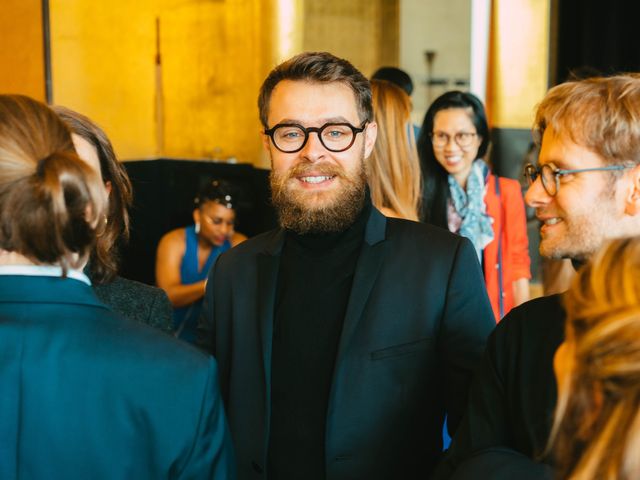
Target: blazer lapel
[(268, 267), (372, 256)]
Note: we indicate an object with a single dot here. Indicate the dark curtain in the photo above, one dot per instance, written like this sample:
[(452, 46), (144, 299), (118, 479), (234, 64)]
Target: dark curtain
[(597, 37), (163, 200)]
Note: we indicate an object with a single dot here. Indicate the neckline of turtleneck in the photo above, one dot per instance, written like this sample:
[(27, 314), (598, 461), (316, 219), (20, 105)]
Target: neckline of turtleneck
[(328, 241)]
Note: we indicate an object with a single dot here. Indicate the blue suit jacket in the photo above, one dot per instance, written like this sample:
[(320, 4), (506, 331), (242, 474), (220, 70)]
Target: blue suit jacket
[(414, 330), (85, 393)]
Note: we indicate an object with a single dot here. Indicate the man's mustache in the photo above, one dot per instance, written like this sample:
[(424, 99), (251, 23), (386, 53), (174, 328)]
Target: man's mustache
[(324, 168)]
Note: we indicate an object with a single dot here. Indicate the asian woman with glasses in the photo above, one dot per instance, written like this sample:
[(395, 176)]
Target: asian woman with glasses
[(464, 196)]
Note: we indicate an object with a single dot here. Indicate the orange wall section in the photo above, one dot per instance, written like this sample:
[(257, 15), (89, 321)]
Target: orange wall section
[(214, 55), (22, 48), (518, 61)]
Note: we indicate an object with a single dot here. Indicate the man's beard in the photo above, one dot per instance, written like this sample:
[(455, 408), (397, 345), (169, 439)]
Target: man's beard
[(585, 231), (318, 212)]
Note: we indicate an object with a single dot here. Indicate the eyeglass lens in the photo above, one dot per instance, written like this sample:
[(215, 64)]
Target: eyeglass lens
[(463, 139), (334, 137), (547, 177)]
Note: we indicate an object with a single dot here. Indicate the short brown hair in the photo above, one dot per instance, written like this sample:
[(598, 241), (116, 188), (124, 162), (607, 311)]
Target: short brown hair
[(320, 67), (50, 200), (601, 114), (105, 257)]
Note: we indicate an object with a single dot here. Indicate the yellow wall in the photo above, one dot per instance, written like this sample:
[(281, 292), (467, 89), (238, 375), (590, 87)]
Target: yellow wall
[(519, 60), (215, 55), (21, 48), (366, 32)]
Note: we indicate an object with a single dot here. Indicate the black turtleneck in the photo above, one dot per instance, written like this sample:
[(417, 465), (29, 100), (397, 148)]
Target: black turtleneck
[(314, 283)]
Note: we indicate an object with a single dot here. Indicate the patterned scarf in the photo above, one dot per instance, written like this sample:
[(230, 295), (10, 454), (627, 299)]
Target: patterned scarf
[(476, 224)]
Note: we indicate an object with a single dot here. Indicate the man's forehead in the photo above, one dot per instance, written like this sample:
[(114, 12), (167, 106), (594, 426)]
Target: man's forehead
[(563, 150), (303, 101)]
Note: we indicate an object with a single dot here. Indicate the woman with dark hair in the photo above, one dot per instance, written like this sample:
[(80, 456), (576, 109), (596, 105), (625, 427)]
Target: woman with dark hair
[(86, 393), (133, 300), (185, 255), (462, 195)]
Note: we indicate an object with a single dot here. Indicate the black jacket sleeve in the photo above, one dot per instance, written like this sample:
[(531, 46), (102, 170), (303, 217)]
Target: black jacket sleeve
[(467, 322), (513, 395)]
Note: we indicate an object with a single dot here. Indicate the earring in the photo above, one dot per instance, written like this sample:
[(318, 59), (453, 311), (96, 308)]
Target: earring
[(101, 229), (197, 228)]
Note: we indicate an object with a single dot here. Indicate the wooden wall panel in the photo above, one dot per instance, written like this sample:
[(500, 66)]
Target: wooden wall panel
[(21, 48), (366, 32), (215, 55)]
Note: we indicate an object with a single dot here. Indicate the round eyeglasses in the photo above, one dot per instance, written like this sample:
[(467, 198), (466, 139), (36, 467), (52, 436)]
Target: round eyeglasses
[(550, 174), (335, 137), (442, 139)]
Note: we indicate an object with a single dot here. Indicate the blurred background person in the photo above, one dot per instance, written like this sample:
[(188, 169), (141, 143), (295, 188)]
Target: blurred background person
[(129, 298), (596, 431), (393, 170), (461, 194), (85, 392), (185, 255), (396, 76), (403, 80)]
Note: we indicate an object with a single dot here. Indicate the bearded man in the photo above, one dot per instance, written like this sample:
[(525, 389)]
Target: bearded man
[(343, 337)]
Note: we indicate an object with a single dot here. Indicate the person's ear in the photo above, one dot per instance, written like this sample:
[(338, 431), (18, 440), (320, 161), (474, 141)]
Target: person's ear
[(196, 216), (108, 187), (632, 199), (265, 141), (370, 135)]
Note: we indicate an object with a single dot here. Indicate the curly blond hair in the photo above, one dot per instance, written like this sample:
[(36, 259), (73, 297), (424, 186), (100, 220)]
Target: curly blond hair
[(596, 431)]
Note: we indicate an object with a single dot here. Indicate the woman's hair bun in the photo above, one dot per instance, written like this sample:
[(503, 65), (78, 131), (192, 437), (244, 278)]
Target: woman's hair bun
[(50, 199)]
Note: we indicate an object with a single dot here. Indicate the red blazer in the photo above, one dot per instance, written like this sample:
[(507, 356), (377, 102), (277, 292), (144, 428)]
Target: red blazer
[(510, 225)]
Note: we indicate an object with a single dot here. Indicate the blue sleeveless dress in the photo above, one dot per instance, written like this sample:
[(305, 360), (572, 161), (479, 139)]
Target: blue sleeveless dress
[(185, 319)]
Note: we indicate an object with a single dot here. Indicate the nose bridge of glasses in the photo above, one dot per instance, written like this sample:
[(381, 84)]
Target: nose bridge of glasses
[(531, 173), (317, 131), (311, 143), (450, 140), (440, 139), (547, 176), (537, 193)]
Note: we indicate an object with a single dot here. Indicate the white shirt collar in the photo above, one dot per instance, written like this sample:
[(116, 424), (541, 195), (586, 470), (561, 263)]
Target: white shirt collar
[(43, 271)]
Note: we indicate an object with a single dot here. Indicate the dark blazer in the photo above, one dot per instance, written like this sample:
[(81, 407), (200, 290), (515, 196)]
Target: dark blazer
[(137, 301), (85, 393), (415, 327), (513, 396)]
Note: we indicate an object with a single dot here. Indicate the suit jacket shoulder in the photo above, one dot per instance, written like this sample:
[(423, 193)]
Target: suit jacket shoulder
[(95, 386), (423, 236), (137, 301)]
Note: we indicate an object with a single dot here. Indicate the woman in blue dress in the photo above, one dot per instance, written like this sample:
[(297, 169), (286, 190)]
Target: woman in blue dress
[(185, 255)]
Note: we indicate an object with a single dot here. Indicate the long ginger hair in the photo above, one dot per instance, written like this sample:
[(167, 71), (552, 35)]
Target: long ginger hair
[(596, 431), (393, 168)]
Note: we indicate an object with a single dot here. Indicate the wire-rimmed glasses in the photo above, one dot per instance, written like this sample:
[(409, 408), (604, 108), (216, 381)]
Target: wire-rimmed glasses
[(550, 174)]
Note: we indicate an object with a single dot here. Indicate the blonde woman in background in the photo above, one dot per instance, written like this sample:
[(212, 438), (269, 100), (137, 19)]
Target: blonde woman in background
[(596, 432), (393, 169)]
